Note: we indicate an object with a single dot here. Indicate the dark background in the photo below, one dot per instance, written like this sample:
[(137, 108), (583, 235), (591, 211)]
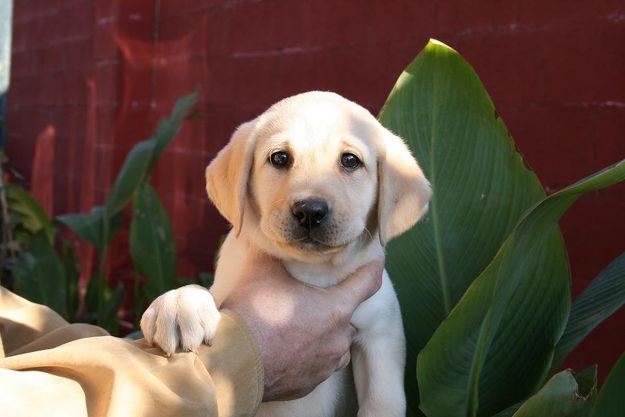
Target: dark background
[(91, 78)]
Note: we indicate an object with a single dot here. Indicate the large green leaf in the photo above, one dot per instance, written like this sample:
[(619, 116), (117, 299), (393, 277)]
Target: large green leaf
[(562, 396), (480, 184), (152, 243), (611, 398), (474, 357), (602, 297), (39, 274), (32, 216)]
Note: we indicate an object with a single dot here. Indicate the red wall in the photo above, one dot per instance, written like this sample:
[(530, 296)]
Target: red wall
[(89, 79)]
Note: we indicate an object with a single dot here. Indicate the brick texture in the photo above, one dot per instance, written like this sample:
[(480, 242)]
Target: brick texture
[(90, 79)]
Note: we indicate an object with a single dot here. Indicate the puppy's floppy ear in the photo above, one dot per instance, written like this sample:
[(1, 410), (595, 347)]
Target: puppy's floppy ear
[(228, 174), (403, 190)]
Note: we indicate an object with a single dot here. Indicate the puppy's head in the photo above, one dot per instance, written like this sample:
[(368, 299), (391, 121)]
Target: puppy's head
[(314, 174)]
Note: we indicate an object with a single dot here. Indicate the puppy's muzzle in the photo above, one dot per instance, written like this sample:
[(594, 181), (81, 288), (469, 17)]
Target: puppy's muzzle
[(311, 212)]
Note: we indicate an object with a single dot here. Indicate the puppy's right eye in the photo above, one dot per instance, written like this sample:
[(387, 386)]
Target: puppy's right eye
[(280, 159)]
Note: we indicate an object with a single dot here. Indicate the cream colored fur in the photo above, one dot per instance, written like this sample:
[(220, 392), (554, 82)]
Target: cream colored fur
[(369, 206)]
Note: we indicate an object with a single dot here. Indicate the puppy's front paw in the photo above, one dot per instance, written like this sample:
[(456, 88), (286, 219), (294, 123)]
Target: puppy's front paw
[(187, 316)]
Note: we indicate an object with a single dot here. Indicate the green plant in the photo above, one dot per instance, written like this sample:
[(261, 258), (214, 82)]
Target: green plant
[(484, 280), (45, 277)]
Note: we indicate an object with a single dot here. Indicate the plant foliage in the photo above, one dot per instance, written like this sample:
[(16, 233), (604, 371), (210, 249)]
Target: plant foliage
[(42, 276), (483, 280)]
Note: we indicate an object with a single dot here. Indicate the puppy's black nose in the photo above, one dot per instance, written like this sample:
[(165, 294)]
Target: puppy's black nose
[(310, 212)]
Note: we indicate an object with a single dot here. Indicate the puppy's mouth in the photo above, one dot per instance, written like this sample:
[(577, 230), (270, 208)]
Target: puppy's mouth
[(309, 243)]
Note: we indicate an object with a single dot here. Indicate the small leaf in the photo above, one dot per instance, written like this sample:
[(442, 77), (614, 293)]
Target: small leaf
[(611, 399), (152, 243), (182, 106), (561, 396), (39, 274), (89, 225), (599, 300), (132, 173), (168, 128), (584, 396), (587, 380), (32, 216), (85, 225)]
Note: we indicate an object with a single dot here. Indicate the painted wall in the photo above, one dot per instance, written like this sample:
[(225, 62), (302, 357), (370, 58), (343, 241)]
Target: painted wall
[(89, 79)]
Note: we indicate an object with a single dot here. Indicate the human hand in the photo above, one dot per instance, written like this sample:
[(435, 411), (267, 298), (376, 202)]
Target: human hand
[(303, 331)]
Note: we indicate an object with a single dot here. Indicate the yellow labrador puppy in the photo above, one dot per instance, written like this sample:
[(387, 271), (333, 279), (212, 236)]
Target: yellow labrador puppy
[(317, 182)]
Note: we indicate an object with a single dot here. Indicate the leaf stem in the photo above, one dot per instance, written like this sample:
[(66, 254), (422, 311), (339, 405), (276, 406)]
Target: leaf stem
[(102, 265)]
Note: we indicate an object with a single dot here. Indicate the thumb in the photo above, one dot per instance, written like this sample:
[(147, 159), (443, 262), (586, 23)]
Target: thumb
[(360, 285)]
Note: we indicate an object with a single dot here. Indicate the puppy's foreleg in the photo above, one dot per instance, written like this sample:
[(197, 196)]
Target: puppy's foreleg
[(378, 356)]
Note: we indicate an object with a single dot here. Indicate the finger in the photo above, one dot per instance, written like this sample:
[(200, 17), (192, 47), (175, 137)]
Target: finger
[(359, 286), (344, 361)]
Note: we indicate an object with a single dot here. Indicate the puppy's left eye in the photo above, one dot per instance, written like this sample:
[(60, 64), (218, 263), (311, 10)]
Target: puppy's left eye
[(350, 162), (280, 159)]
